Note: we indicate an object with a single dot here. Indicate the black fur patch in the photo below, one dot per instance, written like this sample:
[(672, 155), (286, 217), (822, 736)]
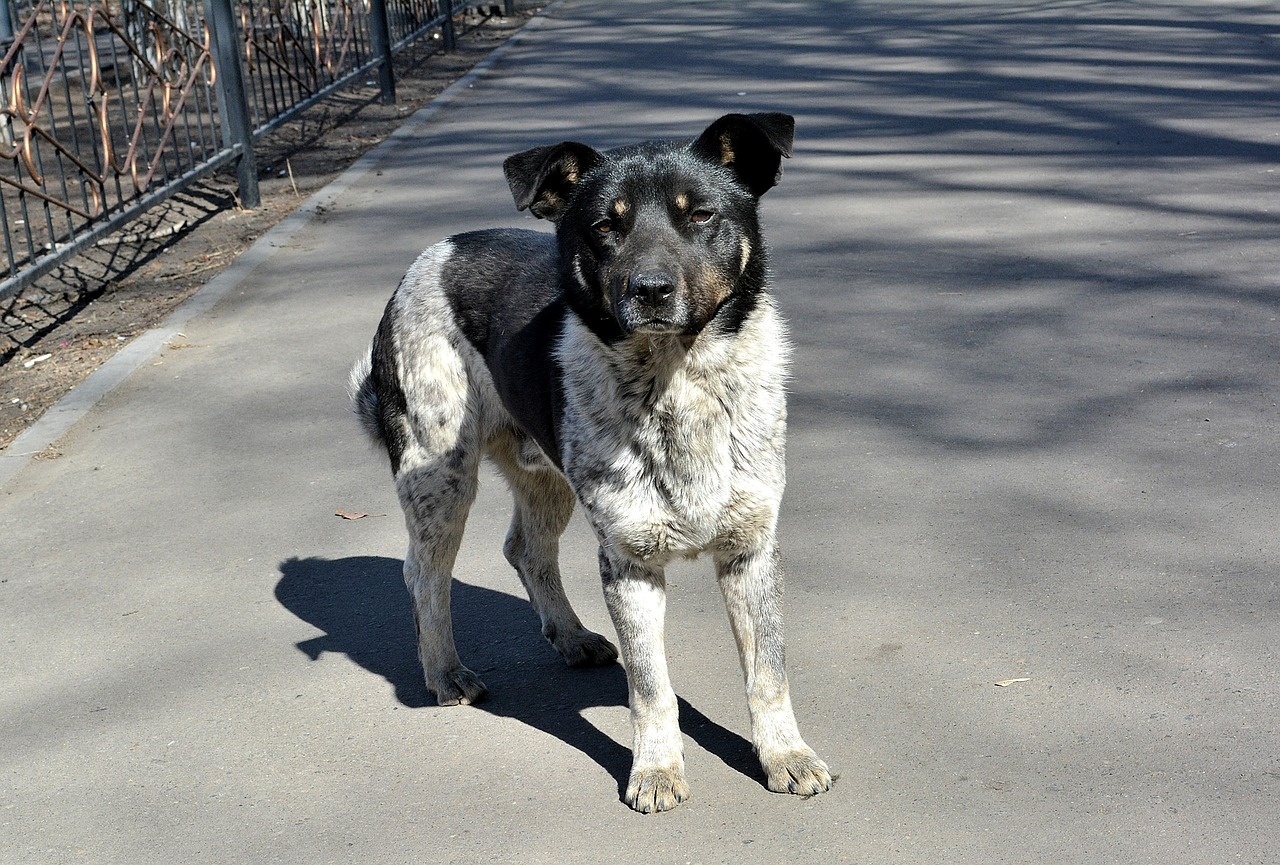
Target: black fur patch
[(391, 406), (502, 286)]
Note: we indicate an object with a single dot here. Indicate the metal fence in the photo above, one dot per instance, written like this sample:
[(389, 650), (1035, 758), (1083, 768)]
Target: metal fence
[(107, 107)]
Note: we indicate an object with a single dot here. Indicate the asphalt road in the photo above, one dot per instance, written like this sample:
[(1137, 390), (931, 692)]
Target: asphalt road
[(1029, 254)]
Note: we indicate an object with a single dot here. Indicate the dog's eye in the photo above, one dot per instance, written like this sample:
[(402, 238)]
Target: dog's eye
[(604, 226), (701, 217)]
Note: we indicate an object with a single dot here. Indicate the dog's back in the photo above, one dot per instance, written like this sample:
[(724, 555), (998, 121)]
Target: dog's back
[(493, 294)]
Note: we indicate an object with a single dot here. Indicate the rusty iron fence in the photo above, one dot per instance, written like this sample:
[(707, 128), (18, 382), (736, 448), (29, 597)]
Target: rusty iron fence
[(108, 107)]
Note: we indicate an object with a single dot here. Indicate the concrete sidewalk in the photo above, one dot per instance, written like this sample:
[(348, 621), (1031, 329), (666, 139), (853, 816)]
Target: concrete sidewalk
[(1029, 253)]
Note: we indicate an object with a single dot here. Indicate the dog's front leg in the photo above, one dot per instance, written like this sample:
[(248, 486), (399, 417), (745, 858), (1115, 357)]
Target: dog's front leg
[(637, 599), (752, 586)]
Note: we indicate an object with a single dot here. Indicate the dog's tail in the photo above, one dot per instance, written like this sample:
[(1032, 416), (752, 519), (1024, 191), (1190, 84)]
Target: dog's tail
[(364, 398)]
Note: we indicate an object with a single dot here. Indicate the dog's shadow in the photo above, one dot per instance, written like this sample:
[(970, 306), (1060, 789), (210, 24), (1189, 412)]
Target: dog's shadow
[(361, 605)]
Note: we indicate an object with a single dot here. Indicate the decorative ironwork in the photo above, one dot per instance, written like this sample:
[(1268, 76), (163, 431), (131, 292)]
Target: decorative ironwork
[(408, 19), (109, 106), (98, 105), (295, 50)]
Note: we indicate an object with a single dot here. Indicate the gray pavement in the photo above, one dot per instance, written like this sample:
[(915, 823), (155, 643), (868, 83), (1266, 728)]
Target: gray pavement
[(1029, 252)]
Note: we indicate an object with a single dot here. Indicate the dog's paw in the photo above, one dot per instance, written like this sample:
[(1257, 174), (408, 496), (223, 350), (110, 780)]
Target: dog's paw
[(799, 772), (586, 649), (651, 790), (456, 687)]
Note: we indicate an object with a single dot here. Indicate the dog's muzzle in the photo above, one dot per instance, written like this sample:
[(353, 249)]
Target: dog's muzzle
[(651, 302)]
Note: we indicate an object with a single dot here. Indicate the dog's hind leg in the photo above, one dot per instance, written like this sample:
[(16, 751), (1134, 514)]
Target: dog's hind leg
[(636, 597), (752, 585), (543, 505), (436, 493), (436, 480), (425, 394)]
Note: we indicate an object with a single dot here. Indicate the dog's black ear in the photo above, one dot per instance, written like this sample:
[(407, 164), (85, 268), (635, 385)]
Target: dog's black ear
[(542, 178), (751, 145)]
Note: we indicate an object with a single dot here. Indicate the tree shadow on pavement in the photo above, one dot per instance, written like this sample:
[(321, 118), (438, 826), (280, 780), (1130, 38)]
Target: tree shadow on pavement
[(363, 608)]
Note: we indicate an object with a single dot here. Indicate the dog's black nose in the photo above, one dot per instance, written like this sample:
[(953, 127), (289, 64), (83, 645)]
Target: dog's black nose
[(652, 286)]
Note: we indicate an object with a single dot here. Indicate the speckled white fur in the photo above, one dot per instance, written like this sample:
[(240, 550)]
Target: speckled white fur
[(674, 445)]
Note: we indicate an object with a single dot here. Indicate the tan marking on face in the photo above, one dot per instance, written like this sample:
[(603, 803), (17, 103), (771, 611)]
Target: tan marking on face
[(746, 255), (711, 288), (682, 201), (621, 207)]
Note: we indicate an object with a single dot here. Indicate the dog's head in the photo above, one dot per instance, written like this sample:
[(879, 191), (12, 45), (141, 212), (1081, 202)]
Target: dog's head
[(660, 237)]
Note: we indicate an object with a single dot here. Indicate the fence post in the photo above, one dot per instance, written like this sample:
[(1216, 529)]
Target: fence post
[(6, 124), (381, 36), (446, 27), (233, 106), (6, 25)]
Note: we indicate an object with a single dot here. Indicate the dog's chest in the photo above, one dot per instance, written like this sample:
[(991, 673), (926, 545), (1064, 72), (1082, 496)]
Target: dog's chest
[(676, 463)]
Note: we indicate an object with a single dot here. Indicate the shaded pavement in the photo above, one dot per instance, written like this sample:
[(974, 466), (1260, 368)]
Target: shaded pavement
[(1029, 256)]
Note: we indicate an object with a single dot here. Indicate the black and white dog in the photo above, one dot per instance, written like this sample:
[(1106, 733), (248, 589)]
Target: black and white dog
[(634, 361)]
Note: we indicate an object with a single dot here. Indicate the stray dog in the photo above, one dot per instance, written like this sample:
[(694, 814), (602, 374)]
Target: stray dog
[(634, 361)]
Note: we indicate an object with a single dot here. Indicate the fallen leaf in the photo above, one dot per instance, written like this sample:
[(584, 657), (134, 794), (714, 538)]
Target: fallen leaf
[(1004, 683), (354, 515)]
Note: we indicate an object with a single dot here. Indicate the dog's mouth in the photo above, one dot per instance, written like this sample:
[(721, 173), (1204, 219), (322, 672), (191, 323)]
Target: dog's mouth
[(672, 316), (656, 326)]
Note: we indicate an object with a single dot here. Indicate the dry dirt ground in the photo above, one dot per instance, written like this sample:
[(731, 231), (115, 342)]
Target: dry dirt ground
[(57, 332)]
